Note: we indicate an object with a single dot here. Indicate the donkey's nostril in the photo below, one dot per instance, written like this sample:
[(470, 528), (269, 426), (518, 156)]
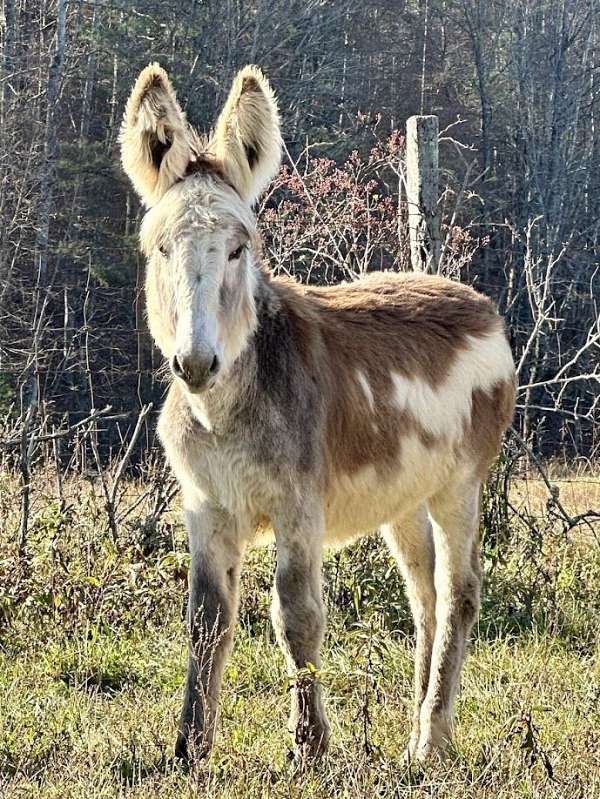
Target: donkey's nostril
[(195, 370), (177, 368)]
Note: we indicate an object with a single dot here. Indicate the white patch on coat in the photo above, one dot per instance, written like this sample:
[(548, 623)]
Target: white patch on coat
[(200, 413), (366, 387), (362, 502), (443, 410)]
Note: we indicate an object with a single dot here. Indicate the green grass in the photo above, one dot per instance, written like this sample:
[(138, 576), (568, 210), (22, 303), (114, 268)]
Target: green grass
[(92, 662)]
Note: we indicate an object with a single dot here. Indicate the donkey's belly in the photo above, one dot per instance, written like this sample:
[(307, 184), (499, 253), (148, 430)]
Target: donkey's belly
[(362, 502)]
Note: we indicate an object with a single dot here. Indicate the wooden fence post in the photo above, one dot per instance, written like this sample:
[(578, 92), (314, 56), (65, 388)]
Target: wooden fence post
[(422, 186)]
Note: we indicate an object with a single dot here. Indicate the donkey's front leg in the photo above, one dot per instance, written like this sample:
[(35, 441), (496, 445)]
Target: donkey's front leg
[(216, 548), (299, 620)]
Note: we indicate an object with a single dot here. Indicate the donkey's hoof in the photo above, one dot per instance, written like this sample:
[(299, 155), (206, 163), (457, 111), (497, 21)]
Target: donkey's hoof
[(188, 751), (411, 747), (182, 752), (311, 744), (431, 751), (426, 752)]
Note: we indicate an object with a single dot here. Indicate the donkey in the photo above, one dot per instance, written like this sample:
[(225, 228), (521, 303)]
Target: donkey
[(318, 414)]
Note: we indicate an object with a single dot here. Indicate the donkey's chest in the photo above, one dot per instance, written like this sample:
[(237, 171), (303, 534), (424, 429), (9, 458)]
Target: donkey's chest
[(247, 462), (223, 471)]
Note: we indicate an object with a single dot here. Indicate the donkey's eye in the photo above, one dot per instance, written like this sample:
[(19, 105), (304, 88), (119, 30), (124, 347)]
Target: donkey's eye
[(233, 256), (163, 250)]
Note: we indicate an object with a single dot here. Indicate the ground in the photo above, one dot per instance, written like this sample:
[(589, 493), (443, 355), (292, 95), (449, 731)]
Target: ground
[(92, 661)]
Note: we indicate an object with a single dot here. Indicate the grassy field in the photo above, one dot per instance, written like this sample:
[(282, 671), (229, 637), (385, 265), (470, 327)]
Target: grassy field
[(92, 660)]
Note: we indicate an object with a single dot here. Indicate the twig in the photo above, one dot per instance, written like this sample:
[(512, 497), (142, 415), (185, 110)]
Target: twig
[(61, 433), (571, 521), (132, 442)]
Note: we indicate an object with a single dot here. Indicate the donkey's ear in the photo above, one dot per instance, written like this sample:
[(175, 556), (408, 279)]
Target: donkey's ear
[(156, 142), (247, 139)]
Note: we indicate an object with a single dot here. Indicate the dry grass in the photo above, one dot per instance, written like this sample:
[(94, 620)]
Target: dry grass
[(578, 492), (92, 663)]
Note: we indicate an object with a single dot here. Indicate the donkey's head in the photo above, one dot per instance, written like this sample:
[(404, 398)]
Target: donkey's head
[(200, 226)]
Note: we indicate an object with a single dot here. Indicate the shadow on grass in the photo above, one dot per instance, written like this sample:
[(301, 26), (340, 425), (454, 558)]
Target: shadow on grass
[(32, 765), (97, 680), (137, 764), (512, 609)]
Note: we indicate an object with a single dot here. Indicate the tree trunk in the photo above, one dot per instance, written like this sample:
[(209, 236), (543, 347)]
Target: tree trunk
[(48, 176)]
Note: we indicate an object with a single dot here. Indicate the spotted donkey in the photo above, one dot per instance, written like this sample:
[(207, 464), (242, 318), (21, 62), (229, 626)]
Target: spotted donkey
[(319, 414)]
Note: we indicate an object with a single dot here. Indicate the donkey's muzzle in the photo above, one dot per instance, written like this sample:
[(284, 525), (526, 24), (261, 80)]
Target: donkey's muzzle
[(198, 372)]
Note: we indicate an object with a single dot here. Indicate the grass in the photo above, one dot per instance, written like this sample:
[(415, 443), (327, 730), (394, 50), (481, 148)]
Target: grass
[(92, 662)]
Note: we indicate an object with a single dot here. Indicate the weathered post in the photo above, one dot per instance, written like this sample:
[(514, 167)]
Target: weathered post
[(422, 186)]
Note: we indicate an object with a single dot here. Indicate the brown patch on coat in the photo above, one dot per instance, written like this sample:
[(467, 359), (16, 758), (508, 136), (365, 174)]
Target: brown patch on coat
[(414, 325), (491, 415)]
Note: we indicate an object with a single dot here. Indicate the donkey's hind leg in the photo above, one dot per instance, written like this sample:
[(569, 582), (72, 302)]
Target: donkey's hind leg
[(455, 516), (410, 540)]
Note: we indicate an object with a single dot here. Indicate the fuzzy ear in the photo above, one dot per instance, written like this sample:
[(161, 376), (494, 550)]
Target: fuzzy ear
[(247, 139), (156, 141)]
